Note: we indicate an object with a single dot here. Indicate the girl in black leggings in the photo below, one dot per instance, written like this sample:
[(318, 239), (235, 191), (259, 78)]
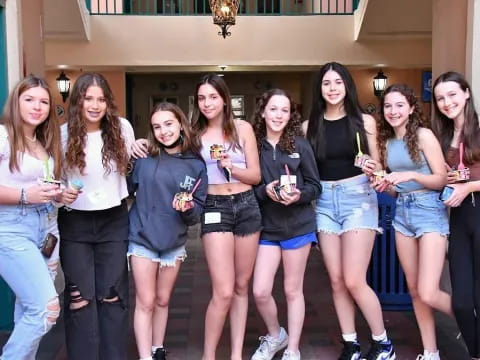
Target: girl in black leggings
[(456, 124)]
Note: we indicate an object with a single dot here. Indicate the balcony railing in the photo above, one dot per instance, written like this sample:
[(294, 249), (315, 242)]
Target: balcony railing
[(202, 7)]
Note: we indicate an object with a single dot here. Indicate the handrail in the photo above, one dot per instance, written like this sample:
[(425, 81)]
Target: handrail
[(202, 7)]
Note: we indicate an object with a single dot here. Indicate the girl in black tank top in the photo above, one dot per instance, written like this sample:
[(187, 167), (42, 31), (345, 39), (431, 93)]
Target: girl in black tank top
[(339, 151), (347, 210)]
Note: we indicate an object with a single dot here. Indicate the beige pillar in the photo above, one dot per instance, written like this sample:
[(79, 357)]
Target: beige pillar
[(13, 22), (472, 61), (32, 35), (449, 33)]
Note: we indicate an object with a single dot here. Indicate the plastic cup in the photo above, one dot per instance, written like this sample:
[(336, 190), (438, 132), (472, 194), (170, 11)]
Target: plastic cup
[(360, 160), (183, 198), (217, 151)]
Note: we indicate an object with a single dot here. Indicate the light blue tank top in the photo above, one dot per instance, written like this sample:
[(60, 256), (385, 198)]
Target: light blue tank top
[(398, 159), (214, 173)]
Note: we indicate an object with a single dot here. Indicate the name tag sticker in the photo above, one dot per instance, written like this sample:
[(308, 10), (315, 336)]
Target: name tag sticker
[(213, 218)]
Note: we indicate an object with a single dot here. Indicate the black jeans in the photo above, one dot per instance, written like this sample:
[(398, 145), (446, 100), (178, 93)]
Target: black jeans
[(93, 255), (464, 257)]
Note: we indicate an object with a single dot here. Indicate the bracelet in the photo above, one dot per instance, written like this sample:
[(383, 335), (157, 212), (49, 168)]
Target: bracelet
[(23, 197)]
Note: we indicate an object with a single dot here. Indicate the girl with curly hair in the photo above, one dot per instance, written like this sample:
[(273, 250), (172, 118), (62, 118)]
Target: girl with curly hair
[(347, 209), (411, 151), (456, 121), (29, 155), (288, 219), (95, 225)]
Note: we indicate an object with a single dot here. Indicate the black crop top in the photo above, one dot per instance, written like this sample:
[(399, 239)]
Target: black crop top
[(340, 152)]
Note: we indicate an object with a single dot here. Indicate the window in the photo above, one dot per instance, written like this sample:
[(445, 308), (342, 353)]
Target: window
[(167, 7), (268, 6)]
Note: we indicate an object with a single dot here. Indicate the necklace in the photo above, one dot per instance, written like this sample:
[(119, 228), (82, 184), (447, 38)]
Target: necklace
[(32, 139)]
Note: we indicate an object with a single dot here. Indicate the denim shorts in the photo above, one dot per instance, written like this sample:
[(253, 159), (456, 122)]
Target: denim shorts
[(237, 213), (296, 242), (164, 258), (420, 212), (346, 205)]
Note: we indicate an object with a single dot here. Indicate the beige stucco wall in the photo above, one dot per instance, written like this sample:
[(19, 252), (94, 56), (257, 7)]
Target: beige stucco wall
[(449, 31), (193, 40)]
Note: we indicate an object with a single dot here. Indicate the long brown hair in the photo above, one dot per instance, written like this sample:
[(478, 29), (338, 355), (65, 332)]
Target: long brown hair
[(114, 147), (200, 122), (188, 142), (291, 130), (416, 120), (47, 133), (443, 126)]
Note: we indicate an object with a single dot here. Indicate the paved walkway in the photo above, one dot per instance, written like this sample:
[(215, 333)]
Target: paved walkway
[(320, 336)]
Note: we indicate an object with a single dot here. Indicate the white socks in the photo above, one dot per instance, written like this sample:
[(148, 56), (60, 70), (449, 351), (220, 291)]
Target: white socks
[(350, 337), (380, 338)]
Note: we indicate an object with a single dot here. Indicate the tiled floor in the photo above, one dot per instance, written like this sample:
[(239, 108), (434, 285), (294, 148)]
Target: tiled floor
[(320, 336)]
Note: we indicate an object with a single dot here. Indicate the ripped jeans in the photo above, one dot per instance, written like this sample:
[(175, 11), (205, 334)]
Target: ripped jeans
[(347, 204), (29, 274), (93, 256)]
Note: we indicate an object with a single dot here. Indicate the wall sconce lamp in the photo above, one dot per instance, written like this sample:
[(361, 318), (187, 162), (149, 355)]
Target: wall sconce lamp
[(222, 68), (63, 85), (379, 84), (224, 13)]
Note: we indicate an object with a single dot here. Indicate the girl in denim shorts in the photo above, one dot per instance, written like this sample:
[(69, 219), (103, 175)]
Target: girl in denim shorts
[(29, 162), (170, 186), (456, 122), (413, 155), (347, 209), (290, 182), (231, 222)]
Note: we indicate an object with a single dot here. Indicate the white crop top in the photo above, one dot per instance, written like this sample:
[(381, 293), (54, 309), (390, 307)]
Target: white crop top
[(31, 168), (100, 190)]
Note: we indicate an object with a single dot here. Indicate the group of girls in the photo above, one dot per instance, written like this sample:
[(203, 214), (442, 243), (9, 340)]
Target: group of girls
[(253, 199)]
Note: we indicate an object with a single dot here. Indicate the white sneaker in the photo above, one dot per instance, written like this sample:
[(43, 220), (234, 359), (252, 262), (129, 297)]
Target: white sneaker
[(269, 346), (290, 355), (428, 356)]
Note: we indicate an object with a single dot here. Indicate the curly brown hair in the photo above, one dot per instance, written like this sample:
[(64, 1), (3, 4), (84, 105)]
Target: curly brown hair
[(293, 128), (114, 147), (416, 120), (47, 133)]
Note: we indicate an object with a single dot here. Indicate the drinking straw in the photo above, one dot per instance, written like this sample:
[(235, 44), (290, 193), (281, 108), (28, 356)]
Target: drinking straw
[(358, 144), (46, 168), (460, 164), (287, 171), (196, 185)]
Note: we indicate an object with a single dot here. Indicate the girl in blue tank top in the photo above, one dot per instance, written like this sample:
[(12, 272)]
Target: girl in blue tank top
[(413, 155)]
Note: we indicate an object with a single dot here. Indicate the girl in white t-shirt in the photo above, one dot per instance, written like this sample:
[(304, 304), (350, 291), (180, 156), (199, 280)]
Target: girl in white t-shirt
[(29, 163), (95, 225)]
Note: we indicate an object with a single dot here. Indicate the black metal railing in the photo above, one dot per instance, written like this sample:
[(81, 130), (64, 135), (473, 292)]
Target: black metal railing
[(202, 7)]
